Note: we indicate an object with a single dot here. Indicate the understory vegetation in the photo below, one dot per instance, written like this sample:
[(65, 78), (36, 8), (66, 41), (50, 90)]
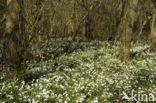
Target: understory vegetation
[(89, 72)]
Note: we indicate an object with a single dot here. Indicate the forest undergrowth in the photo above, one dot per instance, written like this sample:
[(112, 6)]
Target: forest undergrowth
[(86, 73)]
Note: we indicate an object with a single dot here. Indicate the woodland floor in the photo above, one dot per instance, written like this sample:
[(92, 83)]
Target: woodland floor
[(87, 73)]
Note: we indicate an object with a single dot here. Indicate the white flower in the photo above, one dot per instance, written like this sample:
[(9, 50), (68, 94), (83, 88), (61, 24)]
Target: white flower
[(95, 101), (38, 96)]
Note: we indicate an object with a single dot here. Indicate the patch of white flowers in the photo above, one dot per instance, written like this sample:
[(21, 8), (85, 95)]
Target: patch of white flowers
[(98, 76)]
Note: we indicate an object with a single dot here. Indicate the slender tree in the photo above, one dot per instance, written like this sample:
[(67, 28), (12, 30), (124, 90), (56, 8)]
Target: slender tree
[(153, 28), (153, 32)]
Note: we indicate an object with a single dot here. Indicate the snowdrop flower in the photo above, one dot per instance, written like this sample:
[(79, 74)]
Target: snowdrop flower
[(95, 101)]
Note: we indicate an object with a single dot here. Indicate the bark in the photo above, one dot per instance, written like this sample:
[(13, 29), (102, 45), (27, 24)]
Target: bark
[(153, 33), (153, 44), (15, 39), (125, 43), (126, 25), (2, 17), (142, 24)]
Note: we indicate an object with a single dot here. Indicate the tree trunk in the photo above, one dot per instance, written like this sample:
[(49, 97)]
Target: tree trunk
[(2, 17), (153, 44), (22, 42), (153, 33), (125, 44), (2, 24), (125, 40), (88, 31), (15, 39), (10, 50), (126, 25)]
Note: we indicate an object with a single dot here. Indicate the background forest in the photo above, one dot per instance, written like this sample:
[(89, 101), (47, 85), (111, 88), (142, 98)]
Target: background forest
[(48, 47)]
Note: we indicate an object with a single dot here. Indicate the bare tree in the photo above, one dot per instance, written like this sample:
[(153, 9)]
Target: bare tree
[(21, 29)]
